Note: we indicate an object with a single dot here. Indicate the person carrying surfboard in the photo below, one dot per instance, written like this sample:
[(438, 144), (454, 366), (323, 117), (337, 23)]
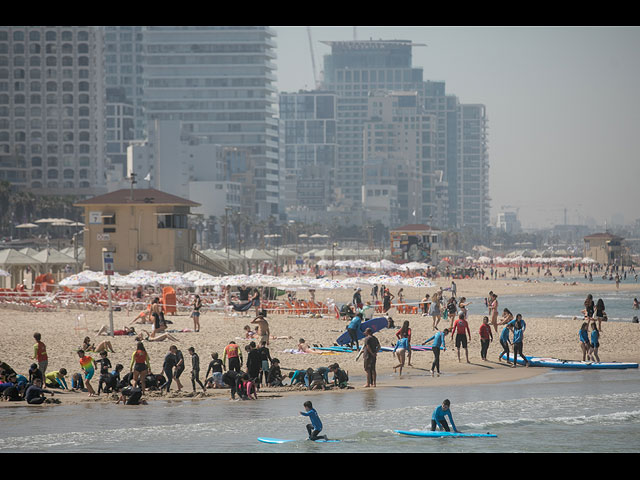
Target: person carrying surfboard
[(438, 418), (315, 427), (352, 328)]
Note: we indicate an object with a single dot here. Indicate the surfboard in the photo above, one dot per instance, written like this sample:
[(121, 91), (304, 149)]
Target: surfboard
[(282, 440), (559, 363), (273, 440), (375, 324), (438, 434)]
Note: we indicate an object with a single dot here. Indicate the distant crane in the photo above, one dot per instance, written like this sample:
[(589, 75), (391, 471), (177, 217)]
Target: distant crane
[(313, 58)]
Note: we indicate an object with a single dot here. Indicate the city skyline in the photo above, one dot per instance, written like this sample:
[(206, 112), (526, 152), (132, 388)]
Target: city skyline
[(561, 105)]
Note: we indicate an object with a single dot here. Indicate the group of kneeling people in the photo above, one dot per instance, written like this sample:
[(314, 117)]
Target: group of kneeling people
[(246, 388)]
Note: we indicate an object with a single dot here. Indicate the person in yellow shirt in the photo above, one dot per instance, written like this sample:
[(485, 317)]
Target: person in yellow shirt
[(40, 353), (56, 379)]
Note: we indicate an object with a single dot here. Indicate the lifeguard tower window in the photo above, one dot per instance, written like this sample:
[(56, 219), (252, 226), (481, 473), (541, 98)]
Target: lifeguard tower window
[(172, 221)]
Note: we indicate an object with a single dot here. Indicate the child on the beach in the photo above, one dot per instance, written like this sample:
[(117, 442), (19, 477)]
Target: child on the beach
[(40, 353), (438, 417), (88, 366), (315, 427)]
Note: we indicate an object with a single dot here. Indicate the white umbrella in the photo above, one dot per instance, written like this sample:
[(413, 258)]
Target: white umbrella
[(27, 225)]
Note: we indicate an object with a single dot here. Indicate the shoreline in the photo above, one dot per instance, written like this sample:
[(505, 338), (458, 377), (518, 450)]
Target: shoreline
[(62, 333), (416, 377)]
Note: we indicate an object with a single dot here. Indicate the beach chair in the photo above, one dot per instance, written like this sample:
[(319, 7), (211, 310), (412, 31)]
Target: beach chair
[(81, 324)]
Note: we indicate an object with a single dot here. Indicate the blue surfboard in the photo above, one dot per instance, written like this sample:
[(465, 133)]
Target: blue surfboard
[(575, 364), (375, 324), (281, 440), (438, 434)]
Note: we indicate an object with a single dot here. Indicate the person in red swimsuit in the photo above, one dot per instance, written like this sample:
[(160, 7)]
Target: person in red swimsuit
[(461, 326)]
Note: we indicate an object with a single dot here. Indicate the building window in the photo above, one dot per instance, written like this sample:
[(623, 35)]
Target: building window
[(172, 221)]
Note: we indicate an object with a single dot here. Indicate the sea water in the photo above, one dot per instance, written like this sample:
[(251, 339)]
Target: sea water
[(618, 304), (557, 411)]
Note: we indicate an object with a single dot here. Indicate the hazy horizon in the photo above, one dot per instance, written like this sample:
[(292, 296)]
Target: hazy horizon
[(562, 105)]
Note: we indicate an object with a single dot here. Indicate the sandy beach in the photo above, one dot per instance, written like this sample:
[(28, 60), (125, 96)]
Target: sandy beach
[(553, 337)]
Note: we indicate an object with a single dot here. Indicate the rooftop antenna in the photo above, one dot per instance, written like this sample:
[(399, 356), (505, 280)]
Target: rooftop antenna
[(133, 182)]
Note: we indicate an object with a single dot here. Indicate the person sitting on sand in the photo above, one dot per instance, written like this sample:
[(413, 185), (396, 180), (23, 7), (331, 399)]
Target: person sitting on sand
[(34, 394), (304, 348), (248, 333), (144, 335), (87, 346)]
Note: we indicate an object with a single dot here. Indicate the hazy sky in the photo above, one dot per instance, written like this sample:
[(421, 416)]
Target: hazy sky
[(563, 107)]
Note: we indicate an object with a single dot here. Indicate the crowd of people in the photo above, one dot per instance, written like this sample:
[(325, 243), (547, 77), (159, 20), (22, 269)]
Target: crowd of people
[(245, 373)]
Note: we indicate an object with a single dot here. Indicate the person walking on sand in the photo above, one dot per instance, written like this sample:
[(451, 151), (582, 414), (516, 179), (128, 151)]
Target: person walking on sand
[(387, 296), (140, 366), (400, 351), (486, 337), (461, 326), (168, 366), (437, 345), (405, 330), (505, 341), (40, 353), (352, 328), (518, 333), (88, 366), (435, 310), (195, 369), (369, 352), (263, 328)]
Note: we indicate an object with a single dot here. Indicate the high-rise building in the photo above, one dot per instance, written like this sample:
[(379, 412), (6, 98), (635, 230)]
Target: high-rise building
[(217, 81), (123, 59), (52, 109), (458, 196), (398, 146), (473, 169), (352, 70), (310, 148)]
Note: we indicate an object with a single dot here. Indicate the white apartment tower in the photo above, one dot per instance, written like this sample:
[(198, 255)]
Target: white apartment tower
[(52, 100), (218, 82)]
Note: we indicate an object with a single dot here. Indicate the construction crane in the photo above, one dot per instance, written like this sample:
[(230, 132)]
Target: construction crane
[(313, 58)]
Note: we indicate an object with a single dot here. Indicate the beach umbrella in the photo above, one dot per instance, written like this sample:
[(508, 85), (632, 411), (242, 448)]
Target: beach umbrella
[(51, 256), (11, 257), (257, 254), (27, 225), (28, 251)]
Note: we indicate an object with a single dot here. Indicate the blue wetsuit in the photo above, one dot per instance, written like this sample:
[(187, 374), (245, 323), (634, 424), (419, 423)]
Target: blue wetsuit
[(438, 340), (438, 343), (352, 328), (402, 343), (504, 341), (584, 336), (316, 425), (439, 418)]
